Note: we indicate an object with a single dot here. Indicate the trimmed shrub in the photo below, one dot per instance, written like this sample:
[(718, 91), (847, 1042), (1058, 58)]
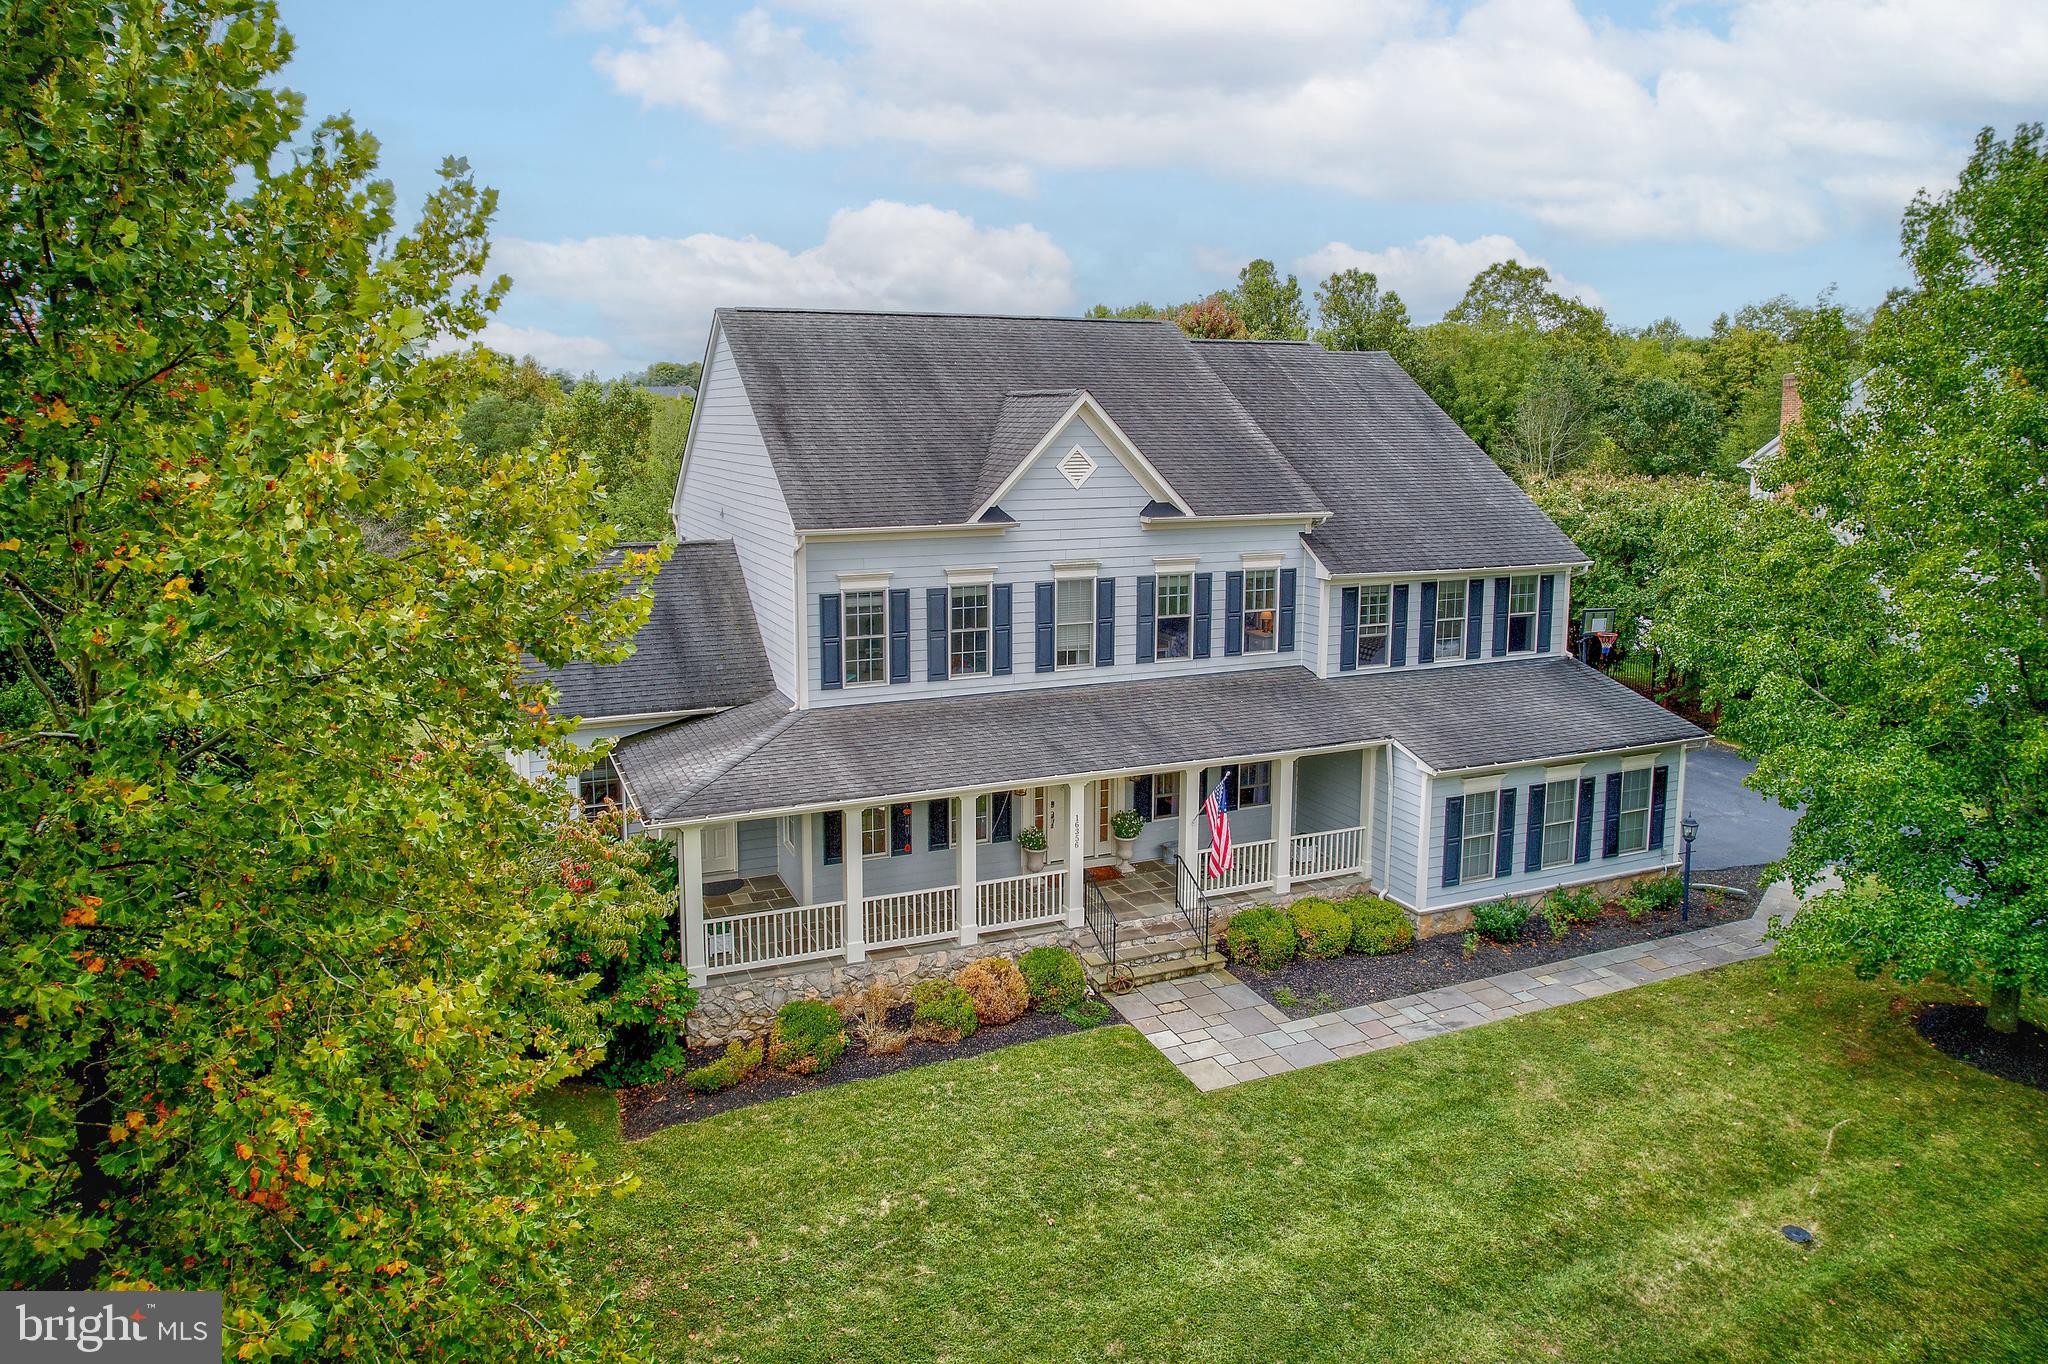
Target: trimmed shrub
[(808, 1037), (997, 988), (942, 1015), (739, 1062), (1053, 978), (1261, 936), (1500, 920), (1654, 897), (1562, 908), (1378, 926), (1323, 929)]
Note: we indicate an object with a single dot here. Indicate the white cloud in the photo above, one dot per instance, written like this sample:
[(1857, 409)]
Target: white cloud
[(1796, 114), (654, 295), (577, 354), (1430, 274)]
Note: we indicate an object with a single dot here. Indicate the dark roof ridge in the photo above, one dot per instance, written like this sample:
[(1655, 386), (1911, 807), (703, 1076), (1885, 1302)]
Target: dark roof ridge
[(941, 312)]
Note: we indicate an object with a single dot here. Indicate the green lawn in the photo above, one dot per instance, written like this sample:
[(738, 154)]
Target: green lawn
[(1600, 1181)]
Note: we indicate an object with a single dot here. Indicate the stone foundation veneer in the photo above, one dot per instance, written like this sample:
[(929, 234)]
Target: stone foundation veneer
[(743, 1004)]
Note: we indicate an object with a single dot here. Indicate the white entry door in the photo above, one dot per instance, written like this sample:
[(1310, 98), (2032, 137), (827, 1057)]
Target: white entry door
[(721, 852), (1046, 806), (1102, 803)]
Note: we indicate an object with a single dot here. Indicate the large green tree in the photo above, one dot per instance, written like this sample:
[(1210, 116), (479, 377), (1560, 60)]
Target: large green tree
[(1352, 313), (273, 906), (1269, 303), (1879, 634)]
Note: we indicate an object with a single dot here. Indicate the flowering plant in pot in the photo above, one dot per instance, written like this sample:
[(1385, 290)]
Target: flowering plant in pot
[(1032, 841), (1124, 827)]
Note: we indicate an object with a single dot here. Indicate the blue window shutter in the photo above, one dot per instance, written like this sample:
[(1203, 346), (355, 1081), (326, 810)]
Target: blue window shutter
[(1105, 622), (899, 831), (1233, 613), (1546, 593), (1660, 784), (1287, 610), (999, 808), (834, 832), (1504, 839), (999, 630), (1147, 603), (935, 648), (1347, 632), (1582, 839), (899, 634), (1610, 843), (1398, 654), (1141, 795), (1041, 624), (1204, 583), (1500, 617), (1425, 635), (831, 671), (1475, 609), (1454, 833), (1532, 859), (939, 825)]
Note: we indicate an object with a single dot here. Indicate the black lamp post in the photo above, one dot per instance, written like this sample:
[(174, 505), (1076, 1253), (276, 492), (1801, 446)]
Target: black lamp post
[(1688, 830)]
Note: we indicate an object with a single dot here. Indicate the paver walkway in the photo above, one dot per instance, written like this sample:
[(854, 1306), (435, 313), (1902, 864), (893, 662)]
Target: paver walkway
[(1219, 1032)]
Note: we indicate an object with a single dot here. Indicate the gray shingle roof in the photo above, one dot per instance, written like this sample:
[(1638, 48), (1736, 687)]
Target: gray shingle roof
[(699, 647), (1449, 717), (1021, 423), (889, 419), (1409, 491)]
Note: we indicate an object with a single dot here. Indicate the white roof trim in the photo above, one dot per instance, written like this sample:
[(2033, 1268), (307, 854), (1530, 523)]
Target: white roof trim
[(1112, 436)]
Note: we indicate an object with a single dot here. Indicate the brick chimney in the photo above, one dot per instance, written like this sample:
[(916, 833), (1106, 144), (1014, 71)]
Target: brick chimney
[(1788, 404)]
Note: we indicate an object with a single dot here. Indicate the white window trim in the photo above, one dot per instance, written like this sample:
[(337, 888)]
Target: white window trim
[(1493, 839), (1094, 611), (867, 856), (1459, 595), (865, 581), (1244, 606), (846, 637), (1637, 761), (1262, 560), (971, 577), (1561, 774), (1360, 634), (1534, 614), (1570, 822), (1076, 568), (1479, 786), (985, 824), (1179, 563), (1621, 811), (1158, 617), (987, 631)]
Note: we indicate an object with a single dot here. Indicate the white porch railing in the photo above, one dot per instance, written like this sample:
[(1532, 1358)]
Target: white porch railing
[(770, 937), (1251, 865), (1029, 899), (912, 916), (1333, 852)]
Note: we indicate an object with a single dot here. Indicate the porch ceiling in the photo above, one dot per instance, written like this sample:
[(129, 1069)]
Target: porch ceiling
[(1450, 718)]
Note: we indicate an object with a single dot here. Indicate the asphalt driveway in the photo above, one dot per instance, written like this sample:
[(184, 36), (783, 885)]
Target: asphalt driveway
[(1738, 827)]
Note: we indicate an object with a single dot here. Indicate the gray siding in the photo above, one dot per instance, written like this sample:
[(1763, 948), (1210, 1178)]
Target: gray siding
[(1326, 792), (1056, 522), (1330, 650), (728, 491), (1521, 882), (757, 847), (1382, 791), (1404, 823)]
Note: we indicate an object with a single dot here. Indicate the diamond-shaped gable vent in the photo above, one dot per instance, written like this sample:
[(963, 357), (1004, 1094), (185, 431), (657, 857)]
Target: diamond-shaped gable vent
[(1077, 466)]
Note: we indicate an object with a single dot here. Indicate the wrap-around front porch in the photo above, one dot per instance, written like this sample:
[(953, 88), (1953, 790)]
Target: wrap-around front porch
[(840, 883)]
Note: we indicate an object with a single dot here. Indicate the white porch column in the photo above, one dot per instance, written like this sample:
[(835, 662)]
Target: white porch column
[(690, 863), (850, 859), (1283, 825), (1077, 872), (807, 851), (967, 895), (1368, 769), (1190, 815)]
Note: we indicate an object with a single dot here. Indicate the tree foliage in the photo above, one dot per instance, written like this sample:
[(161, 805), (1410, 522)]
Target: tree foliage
[(1352, 314), (1271, 306), (276, 909), (1879, 632)]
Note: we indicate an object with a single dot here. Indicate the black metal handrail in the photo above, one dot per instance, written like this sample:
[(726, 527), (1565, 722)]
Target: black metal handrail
[(1102, 923), (1193, 902)]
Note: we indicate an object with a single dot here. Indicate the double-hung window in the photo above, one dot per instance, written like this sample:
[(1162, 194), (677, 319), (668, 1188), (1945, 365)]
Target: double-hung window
[(1375, 617), (1450, 620), (1254, 785), (1261, 610), (968, 635), (865, 630), (1522, 614), (1073, 623), (1173, 615), (1560, 822), (1635, 810), (1165, 796), (874, 831), (1475, 861), (598, 788)]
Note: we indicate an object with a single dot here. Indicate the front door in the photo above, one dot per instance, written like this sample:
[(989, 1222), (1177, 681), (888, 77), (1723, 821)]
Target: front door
[(1101, 805), (721, 852)]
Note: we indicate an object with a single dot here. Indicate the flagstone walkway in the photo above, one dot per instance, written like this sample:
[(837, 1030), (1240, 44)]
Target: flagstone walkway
[(1219, 1032)]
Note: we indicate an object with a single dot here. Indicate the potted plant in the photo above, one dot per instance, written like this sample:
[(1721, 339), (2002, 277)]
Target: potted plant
[(1032, 841), (1124, 827)]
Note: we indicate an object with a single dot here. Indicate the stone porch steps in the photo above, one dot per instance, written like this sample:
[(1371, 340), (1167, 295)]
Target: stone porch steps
[(1159, 957)]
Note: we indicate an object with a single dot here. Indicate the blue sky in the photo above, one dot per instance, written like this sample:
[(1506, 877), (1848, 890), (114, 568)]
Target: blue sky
[(656, 160)]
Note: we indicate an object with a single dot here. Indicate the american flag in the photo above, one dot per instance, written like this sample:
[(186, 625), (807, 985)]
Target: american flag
[(1217, 808)]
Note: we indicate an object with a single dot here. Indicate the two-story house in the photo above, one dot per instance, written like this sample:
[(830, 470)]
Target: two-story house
[(945, 579)]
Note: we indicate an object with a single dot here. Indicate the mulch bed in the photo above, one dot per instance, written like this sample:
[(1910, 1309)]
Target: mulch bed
[(1958, 1031), (1340, 982), (649, 1108)]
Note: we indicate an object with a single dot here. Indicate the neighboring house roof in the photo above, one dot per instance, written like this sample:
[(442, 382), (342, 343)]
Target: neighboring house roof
[(1408, 490), (890, 419), (1492, 714), (699, 648)]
